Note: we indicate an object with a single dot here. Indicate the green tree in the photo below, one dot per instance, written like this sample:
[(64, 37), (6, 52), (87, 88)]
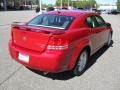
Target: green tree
[(78, 3), (118, 4), (64, 2)]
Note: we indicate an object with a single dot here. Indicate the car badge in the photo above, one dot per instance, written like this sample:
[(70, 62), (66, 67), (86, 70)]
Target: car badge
[(24, 38)]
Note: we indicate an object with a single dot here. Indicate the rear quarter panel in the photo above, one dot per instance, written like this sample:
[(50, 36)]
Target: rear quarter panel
[(78, 35), (78, 40)]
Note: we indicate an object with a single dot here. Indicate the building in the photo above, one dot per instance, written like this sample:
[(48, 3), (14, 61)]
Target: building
[(108, 7), (15, 4)]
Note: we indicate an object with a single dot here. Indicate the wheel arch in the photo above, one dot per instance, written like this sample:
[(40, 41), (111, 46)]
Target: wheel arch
[(82, 46), (88, 48)]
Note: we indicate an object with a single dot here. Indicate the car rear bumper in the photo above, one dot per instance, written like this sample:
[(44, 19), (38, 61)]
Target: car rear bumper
[(47, 61)]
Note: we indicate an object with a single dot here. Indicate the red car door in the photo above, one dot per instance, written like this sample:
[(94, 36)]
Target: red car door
[(94, 32), (104, 31)]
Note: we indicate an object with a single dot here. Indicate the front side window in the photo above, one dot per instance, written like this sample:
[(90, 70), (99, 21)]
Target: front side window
[(52, 21), (90, 21), (100, 21)]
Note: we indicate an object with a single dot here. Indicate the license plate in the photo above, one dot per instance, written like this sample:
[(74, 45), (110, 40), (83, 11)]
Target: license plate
[(23, 57)]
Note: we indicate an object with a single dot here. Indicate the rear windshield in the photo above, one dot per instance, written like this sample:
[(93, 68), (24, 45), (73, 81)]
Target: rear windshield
[(52, 21)]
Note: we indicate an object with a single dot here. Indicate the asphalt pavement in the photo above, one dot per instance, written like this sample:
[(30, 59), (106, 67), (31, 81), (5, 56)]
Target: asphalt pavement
[(103, 72)]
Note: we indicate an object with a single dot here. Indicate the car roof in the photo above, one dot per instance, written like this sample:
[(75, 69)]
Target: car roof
[(73, 13)]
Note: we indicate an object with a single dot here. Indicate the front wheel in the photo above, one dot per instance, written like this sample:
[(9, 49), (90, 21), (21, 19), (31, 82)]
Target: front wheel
[(81, 63), (109, 40)]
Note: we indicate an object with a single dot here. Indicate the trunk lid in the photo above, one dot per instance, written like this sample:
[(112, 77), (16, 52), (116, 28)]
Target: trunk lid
[(32, 38)]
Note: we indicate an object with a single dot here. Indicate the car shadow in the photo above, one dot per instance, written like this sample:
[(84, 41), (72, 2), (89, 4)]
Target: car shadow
[(99, 53), (68, 74)]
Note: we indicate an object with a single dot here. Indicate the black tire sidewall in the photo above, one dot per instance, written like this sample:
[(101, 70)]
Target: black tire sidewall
[(75, 70), (109, 37)]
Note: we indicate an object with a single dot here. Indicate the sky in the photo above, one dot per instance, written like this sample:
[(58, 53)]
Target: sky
[(49, 1), (107, 1), (99, 1)]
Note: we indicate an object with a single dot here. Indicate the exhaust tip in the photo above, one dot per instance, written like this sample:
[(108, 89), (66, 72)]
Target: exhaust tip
[(45, 73)]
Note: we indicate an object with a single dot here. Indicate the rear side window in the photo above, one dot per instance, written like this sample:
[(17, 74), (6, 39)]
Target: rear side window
[(52, 21)]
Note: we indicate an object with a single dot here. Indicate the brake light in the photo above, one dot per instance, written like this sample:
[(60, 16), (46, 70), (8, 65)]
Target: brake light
[(57, 44)]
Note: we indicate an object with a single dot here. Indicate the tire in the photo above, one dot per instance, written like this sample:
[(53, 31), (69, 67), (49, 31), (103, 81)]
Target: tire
[(81, 63), (109, 40)]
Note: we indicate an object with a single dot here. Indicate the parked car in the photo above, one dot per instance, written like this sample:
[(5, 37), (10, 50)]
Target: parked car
[(37, 9), (104, 11), (96, 11), (115, 12), (25, 7), (59, 41), (50, 9), (64, 8)]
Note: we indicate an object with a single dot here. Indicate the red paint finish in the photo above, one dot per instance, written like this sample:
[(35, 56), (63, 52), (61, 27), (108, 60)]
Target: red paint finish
[(53, 50)]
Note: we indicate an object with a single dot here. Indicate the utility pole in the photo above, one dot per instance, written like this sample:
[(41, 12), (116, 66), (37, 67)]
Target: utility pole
[(72, 5), (31, 4), (77, 3), (61, 4), (68, 3), (5, 5), (40, 3), (25, 3)]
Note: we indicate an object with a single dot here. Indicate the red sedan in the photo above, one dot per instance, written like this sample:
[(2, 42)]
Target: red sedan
[(58, 41)]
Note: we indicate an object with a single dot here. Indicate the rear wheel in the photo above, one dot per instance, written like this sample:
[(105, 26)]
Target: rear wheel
[(81, 63)]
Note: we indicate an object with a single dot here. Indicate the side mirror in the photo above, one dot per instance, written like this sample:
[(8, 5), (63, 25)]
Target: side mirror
[(108, 24)]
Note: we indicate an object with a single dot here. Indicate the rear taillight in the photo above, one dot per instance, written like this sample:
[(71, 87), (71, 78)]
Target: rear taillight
[(57, 44)]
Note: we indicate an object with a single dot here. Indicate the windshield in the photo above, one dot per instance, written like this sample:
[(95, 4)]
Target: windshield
[(52, 21)]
